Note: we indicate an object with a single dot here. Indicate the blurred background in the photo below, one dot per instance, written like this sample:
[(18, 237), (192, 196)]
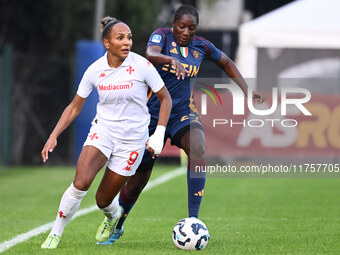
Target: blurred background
[(39, 56)]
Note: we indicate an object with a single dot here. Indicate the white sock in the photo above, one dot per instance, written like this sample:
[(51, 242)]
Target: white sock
[(111, 211), (69, 205)]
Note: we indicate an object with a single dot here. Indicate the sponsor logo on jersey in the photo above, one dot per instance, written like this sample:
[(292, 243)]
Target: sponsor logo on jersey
[(193, 70), (195, 53), (174, 44), (184, 51), (174, 51), (119, 86), (102, 75), (156, 38)]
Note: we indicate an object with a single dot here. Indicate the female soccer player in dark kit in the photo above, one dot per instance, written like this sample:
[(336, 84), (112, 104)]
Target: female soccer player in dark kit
[(119, 131), (177, 54)]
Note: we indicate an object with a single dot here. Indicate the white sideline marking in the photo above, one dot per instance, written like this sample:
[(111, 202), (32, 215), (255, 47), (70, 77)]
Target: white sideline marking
[(44, 228)]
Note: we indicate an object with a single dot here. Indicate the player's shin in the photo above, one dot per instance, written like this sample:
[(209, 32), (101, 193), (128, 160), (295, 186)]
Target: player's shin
[(69, 205), (127, 203), (196, 184)]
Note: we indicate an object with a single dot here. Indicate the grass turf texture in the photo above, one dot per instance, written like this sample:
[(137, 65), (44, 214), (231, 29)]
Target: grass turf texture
[(244, 216)]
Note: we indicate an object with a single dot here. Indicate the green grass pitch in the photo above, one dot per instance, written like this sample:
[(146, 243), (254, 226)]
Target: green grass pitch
[(244, 215)]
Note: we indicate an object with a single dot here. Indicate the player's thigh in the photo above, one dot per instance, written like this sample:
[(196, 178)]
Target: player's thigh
[(137, 183), (187, 133), (90, 161), (109, 187), (126, 157), (193, 143), (96, 150), (122, 164)]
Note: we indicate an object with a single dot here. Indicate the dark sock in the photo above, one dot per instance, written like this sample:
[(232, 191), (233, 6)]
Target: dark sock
[(127, 203), (196, 183)]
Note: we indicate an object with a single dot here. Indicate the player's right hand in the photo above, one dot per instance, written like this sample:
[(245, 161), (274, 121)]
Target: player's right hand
[(49, 147), (179, 68), (258, 97)]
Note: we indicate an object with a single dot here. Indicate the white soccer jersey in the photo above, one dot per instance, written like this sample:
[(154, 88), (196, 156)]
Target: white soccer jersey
[(122, 94)]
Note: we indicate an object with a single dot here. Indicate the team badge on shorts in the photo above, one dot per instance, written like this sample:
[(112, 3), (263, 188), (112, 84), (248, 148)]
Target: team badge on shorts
[(195, 53), (156, 38), (93, 136)]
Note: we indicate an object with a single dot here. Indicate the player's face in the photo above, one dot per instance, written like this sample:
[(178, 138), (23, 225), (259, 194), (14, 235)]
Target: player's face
[(184, 29), (119, 42)]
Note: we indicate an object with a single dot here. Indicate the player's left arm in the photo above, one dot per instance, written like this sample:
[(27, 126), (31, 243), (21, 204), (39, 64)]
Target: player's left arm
[(156, 141), (228, 66), (166, 105)]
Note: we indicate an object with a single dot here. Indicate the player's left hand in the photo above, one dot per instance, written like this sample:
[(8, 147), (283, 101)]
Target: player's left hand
[(152, 152), (258, 97), (154, 146), (156, 141)]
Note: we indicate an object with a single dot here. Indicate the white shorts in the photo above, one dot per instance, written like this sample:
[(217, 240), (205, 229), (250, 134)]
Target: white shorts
[(123, 157)]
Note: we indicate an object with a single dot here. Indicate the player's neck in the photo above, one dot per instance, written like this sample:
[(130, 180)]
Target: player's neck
[(114, 61)]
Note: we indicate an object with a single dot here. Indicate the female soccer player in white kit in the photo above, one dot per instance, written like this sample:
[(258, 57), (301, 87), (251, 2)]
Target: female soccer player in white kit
[(119, 130)]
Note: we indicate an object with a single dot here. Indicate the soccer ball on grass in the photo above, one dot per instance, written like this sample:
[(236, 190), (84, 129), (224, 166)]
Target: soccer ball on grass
[(190, 234)]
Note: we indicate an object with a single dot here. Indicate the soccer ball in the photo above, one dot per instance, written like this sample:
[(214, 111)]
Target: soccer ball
[(190, 234)]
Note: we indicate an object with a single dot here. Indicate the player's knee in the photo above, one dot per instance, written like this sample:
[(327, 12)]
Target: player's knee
[(82, 183), (197, 150), (102, 204), (102, 201), (133, 189), (137, 182)]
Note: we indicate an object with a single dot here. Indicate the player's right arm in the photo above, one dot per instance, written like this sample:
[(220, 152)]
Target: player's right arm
[(69, 114), (154, 55)]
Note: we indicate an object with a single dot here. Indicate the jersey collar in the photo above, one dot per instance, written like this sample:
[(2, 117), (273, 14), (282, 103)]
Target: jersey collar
[(126, 62), (173, 38)]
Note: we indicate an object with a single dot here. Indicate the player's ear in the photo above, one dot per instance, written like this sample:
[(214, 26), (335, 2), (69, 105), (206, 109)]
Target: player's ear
[(106, 44)]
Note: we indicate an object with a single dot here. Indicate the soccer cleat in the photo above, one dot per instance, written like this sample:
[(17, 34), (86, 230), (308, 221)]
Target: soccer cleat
[(116, 234), (107, 228), (51, 242)]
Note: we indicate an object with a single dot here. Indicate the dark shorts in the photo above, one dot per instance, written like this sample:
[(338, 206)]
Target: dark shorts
[(177, 127)]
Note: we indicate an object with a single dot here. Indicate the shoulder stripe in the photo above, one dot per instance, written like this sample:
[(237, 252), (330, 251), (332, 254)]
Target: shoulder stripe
[(200, 38), (204, 41), (207, 49), (162, 31)]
